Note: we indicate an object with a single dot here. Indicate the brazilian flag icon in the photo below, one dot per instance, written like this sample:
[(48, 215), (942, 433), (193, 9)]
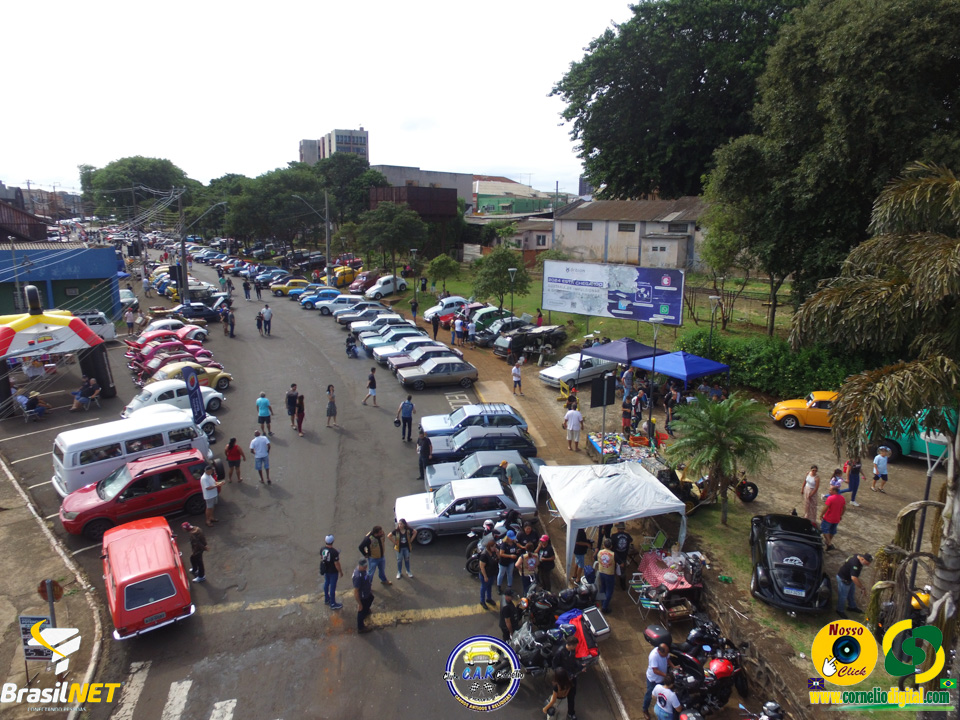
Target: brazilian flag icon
[(948, 683)]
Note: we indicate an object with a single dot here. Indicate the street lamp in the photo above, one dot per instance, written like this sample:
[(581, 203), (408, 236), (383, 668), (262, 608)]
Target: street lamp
[(326, 224), (413, 255), (714, 305), (513, 275)]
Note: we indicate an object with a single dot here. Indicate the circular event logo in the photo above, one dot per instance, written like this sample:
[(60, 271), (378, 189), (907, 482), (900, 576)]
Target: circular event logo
[(844, 652), (483, 673)]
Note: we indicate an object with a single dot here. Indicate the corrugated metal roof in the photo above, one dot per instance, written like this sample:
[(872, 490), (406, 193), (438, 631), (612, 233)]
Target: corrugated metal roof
[(534, 224), (685, 209)]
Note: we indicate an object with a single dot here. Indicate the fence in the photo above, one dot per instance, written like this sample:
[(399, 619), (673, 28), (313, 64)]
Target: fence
[(749, 308)]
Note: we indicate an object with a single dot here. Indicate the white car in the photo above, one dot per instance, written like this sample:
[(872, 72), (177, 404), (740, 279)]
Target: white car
[(445, 306), (576, 368), (386, 285), (208, 424), (173, 393)]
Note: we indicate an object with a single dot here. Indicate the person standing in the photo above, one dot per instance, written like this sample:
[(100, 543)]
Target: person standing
[(128, 318), (264, 413), (402, 537), (198, 546), (833, 508), (562, 685), (517, 379), (331, 571), (301, 413), (566, 659), (211, 491), (573, 421), (458, 325), (246, 290), (626, 382), (363, 594), (622, 542), (527, 564), (435, 324), (424, 452), (267, 319), (472, 333), (853, 468), (668, 704), (291, 402), (607, 572), (260, 323), (231, 321), (509, 615), (539, 318), (234, 455), (811, 485), (626, 414), (405, 416), (508, 554), (488, 565), (511, 473), (331, 406), (260, 447), (258, 288), (414, 306), (580, 547), (372, 549), (371, 387), (548, 561), (880, 468), (224, 320), (848, 583), (658, 664)]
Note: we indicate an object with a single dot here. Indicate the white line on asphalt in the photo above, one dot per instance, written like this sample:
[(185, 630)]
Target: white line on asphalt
[(132, 688), (50, 517), (32, 457), (223, 710), (47, 429), (89, 547), (176, 700), (39, 484)]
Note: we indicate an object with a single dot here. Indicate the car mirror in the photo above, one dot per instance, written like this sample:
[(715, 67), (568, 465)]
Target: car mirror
[(121, 498)]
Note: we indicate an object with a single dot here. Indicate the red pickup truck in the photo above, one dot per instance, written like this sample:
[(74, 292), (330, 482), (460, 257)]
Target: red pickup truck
[(349, 259)]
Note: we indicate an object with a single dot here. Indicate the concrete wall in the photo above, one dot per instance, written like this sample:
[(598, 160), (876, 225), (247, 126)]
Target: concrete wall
[(648, 243), (400, 176)]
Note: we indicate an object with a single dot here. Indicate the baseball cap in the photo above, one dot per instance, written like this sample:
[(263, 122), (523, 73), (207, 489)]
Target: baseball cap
[(328, 539), (186, 526), (363, 562), (621, 526), (868, 557), (511, 534), (544, 538)]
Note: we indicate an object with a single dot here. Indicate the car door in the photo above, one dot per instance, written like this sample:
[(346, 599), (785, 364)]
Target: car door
[(817, 415), (459, 517), (141, 498), (167, 396), (183, 398)]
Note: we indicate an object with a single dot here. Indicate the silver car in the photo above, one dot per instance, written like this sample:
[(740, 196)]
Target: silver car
[(576, 368)]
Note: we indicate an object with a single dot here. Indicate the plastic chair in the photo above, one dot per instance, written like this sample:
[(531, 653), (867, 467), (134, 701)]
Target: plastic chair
[(554, 512), (657, 542)]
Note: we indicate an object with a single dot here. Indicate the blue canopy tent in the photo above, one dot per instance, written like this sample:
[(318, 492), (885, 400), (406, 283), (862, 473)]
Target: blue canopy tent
[(683, 366), (623, 351)]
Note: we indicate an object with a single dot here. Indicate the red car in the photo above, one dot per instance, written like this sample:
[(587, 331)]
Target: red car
[(350, 260), (158, 347), (364, 282), (144, 578), (161, 484), (447, 318), (146, 337)]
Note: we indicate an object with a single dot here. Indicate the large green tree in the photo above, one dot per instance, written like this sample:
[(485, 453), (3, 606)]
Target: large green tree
[(394, 228), (348, 178), (126, 186), (655, 96), (443, 268), (492, 275)]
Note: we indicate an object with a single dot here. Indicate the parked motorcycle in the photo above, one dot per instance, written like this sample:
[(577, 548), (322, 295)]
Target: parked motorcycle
[(502, 522), (770, 711), (351, 348), (543, 607), (536, 648)]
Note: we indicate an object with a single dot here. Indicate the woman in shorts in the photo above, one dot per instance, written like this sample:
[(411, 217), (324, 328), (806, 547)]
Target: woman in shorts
[(234, 455)]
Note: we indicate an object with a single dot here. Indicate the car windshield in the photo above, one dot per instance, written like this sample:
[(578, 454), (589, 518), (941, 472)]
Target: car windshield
[(114, 483), (428, 366), (161, 375), (456, 416), (570, 362), (442, 498), (469, 467), (144, 396)]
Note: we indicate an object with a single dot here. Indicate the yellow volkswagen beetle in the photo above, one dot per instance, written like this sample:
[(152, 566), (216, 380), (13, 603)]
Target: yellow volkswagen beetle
[(811, 411)]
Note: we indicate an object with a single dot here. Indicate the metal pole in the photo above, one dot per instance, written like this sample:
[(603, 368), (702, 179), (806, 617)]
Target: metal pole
[(16, 273), (653, 370), (185, 290), (326, 224)]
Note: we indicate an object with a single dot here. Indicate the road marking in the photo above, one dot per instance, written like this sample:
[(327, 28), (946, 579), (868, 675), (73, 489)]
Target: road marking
[(89, 547), (51, 517), (32, 457), (176, 700), (39, 484), (48, 429), (132, 688), (223, 710)]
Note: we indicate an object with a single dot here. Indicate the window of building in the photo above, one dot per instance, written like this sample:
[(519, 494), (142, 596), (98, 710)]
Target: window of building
[(541, 240), (677, 227), (627, 227), (584, 226)]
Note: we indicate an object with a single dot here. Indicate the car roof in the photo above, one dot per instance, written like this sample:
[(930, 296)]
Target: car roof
[(104, 430), (477, 431), (487, 409), (824, 395), (173, 384), (476, 486), (164, 460), (139, 549), (493, 457), (793, 526)]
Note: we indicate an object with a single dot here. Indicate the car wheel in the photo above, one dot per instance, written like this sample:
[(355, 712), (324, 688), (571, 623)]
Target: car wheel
[(377, 295), (278, 293), (196, 505), (95, 529), (472, 548), (895, 451), (425, 536), (213, 405), (790, 422), (403, 286), (219, 469), (419, 385), (209, 428), (307, 306), (466, 383), (324, 311), (223, 384), (200, 336)]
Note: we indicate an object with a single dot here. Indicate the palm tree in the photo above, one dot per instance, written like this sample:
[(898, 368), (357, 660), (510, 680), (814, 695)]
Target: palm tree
[(900, 292), (718, 439)]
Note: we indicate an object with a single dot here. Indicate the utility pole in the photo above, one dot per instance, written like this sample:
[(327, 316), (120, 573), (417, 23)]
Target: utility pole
[(185, 283), (30, 194), (16, 272), (326, 224)]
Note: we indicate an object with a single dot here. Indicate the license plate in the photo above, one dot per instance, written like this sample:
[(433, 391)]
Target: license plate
[(155, 618), (794, 592)]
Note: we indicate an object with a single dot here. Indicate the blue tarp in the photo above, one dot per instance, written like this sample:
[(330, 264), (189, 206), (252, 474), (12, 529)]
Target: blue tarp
[(682, 365)]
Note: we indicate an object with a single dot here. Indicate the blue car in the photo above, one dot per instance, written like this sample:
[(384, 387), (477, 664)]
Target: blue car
[(310, 289), (308, 301)]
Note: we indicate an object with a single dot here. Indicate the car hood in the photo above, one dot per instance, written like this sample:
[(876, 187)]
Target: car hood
[(799, 404), (410, 372), (435, 423), (441, 473), (82, 500), (441, 443), (415, 508), (556, 373)]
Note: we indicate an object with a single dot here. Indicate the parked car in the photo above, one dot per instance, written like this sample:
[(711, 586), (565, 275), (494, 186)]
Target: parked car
[(419, 355), (209, 377), (453, 448), (923, 441), (446, 320), (483, 464), (487, 316), (438, 371), (359, 327), (512, 344), (350, 260), (447, 305), (386, 285), (390, 336), (341, 277), (309, 299), (282, 288), (341, 302), (172, 392), (208, 423), (98, 323), (129, 299), (347, 319), (460, 505), (196, 310), (788, 572), (576, 368), (145, 581), (297, 294), (404, 346), (486, 338), (483, 415), (811, 411), (364, 281), (357, 306)]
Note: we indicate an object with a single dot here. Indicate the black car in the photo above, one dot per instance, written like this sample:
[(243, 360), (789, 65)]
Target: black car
[(486, 338), (196, 310), (788, 569), (512, 344), (453, 448)]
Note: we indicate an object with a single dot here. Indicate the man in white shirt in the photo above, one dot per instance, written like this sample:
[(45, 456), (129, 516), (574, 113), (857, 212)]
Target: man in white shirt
[(658, 663), (211, 488), (667, 702), (267, 315), (515, 373), (573, 422), (260, 447)]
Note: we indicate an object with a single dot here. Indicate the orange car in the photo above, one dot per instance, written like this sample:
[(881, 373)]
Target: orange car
[(146, 583), (811, 411)]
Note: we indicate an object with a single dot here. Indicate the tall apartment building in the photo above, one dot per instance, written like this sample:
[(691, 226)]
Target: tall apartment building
[(351, 141)]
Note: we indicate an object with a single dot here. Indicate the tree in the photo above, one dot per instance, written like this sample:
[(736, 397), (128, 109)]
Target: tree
[(900, 291), (348, 178), (554, 253), (443, 268), (393, 228), (717, 439), (121, 186), (492, 277), (497, 232), (655, 96)]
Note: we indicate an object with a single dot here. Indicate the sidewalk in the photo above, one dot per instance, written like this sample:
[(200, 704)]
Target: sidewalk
[(31, 556)]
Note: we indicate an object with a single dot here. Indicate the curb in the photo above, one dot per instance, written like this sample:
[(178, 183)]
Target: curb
[(88, 589)]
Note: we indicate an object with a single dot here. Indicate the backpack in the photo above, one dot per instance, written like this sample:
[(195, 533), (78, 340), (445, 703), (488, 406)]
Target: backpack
[(326, 564)]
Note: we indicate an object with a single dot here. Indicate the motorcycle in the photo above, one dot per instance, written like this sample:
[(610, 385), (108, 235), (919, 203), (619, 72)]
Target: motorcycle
[(536, 648), (694, 491), (504, 520), (770, 711), (543, 607), (351, 348)]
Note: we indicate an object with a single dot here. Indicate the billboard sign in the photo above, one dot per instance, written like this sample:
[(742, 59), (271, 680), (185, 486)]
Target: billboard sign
[(625, 292)]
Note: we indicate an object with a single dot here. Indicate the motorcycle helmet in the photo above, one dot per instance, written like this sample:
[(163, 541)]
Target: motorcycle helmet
[(568, 630), (488, 524), (555, 634), (772, 711), (567, 596), (721, 668), (541, 636)]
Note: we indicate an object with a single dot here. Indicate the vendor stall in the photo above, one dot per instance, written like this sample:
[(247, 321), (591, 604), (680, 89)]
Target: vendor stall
[(682, 366)]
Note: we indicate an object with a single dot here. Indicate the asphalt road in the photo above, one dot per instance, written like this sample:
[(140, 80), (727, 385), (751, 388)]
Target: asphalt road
[(261, 644)]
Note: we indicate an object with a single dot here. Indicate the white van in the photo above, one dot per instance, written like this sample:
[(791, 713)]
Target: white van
[(86, 455)]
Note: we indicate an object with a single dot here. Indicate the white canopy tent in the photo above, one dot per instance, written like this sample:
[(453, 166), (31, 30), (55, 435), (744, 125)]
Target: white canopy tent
[(591, 495)]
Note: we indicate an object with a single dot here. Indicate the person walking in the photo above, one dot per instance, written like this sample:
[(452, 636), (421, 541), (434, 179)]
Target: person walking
[(622, 542), (372, 549), (548, 561), (572, 422), (658, 665), (225, 321), (402, 537), (230, 288), (301, 413), (231, 321), (331, 407), (198, 546), (260, 447), (515, 373), (836, 480), (566, 659), (527, 565), (246, 290), (128, 318), (234, 455), (508, 553), (211, 492), (264, 413), (809, 490), (291, 402), (880, 469), (607, 566), (831, 515), (371, 387), (260, 323), (562, 685), (362, 593), (424, 452), (267, 319), (405, 416), (331, 571), (435, 323), (848, 583), (488, 566), (509, 615), (258, 288), (414, 306), (853, 467)]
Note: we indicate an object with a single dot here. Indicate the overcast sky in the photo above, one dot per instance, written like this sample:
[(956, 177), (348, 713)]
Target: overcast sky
[(226, 87)]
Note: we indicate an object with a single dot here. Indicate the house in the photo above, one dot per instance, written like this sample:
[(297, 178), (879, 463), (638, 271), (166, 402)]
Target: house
[(534, 234), (651, 233)]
